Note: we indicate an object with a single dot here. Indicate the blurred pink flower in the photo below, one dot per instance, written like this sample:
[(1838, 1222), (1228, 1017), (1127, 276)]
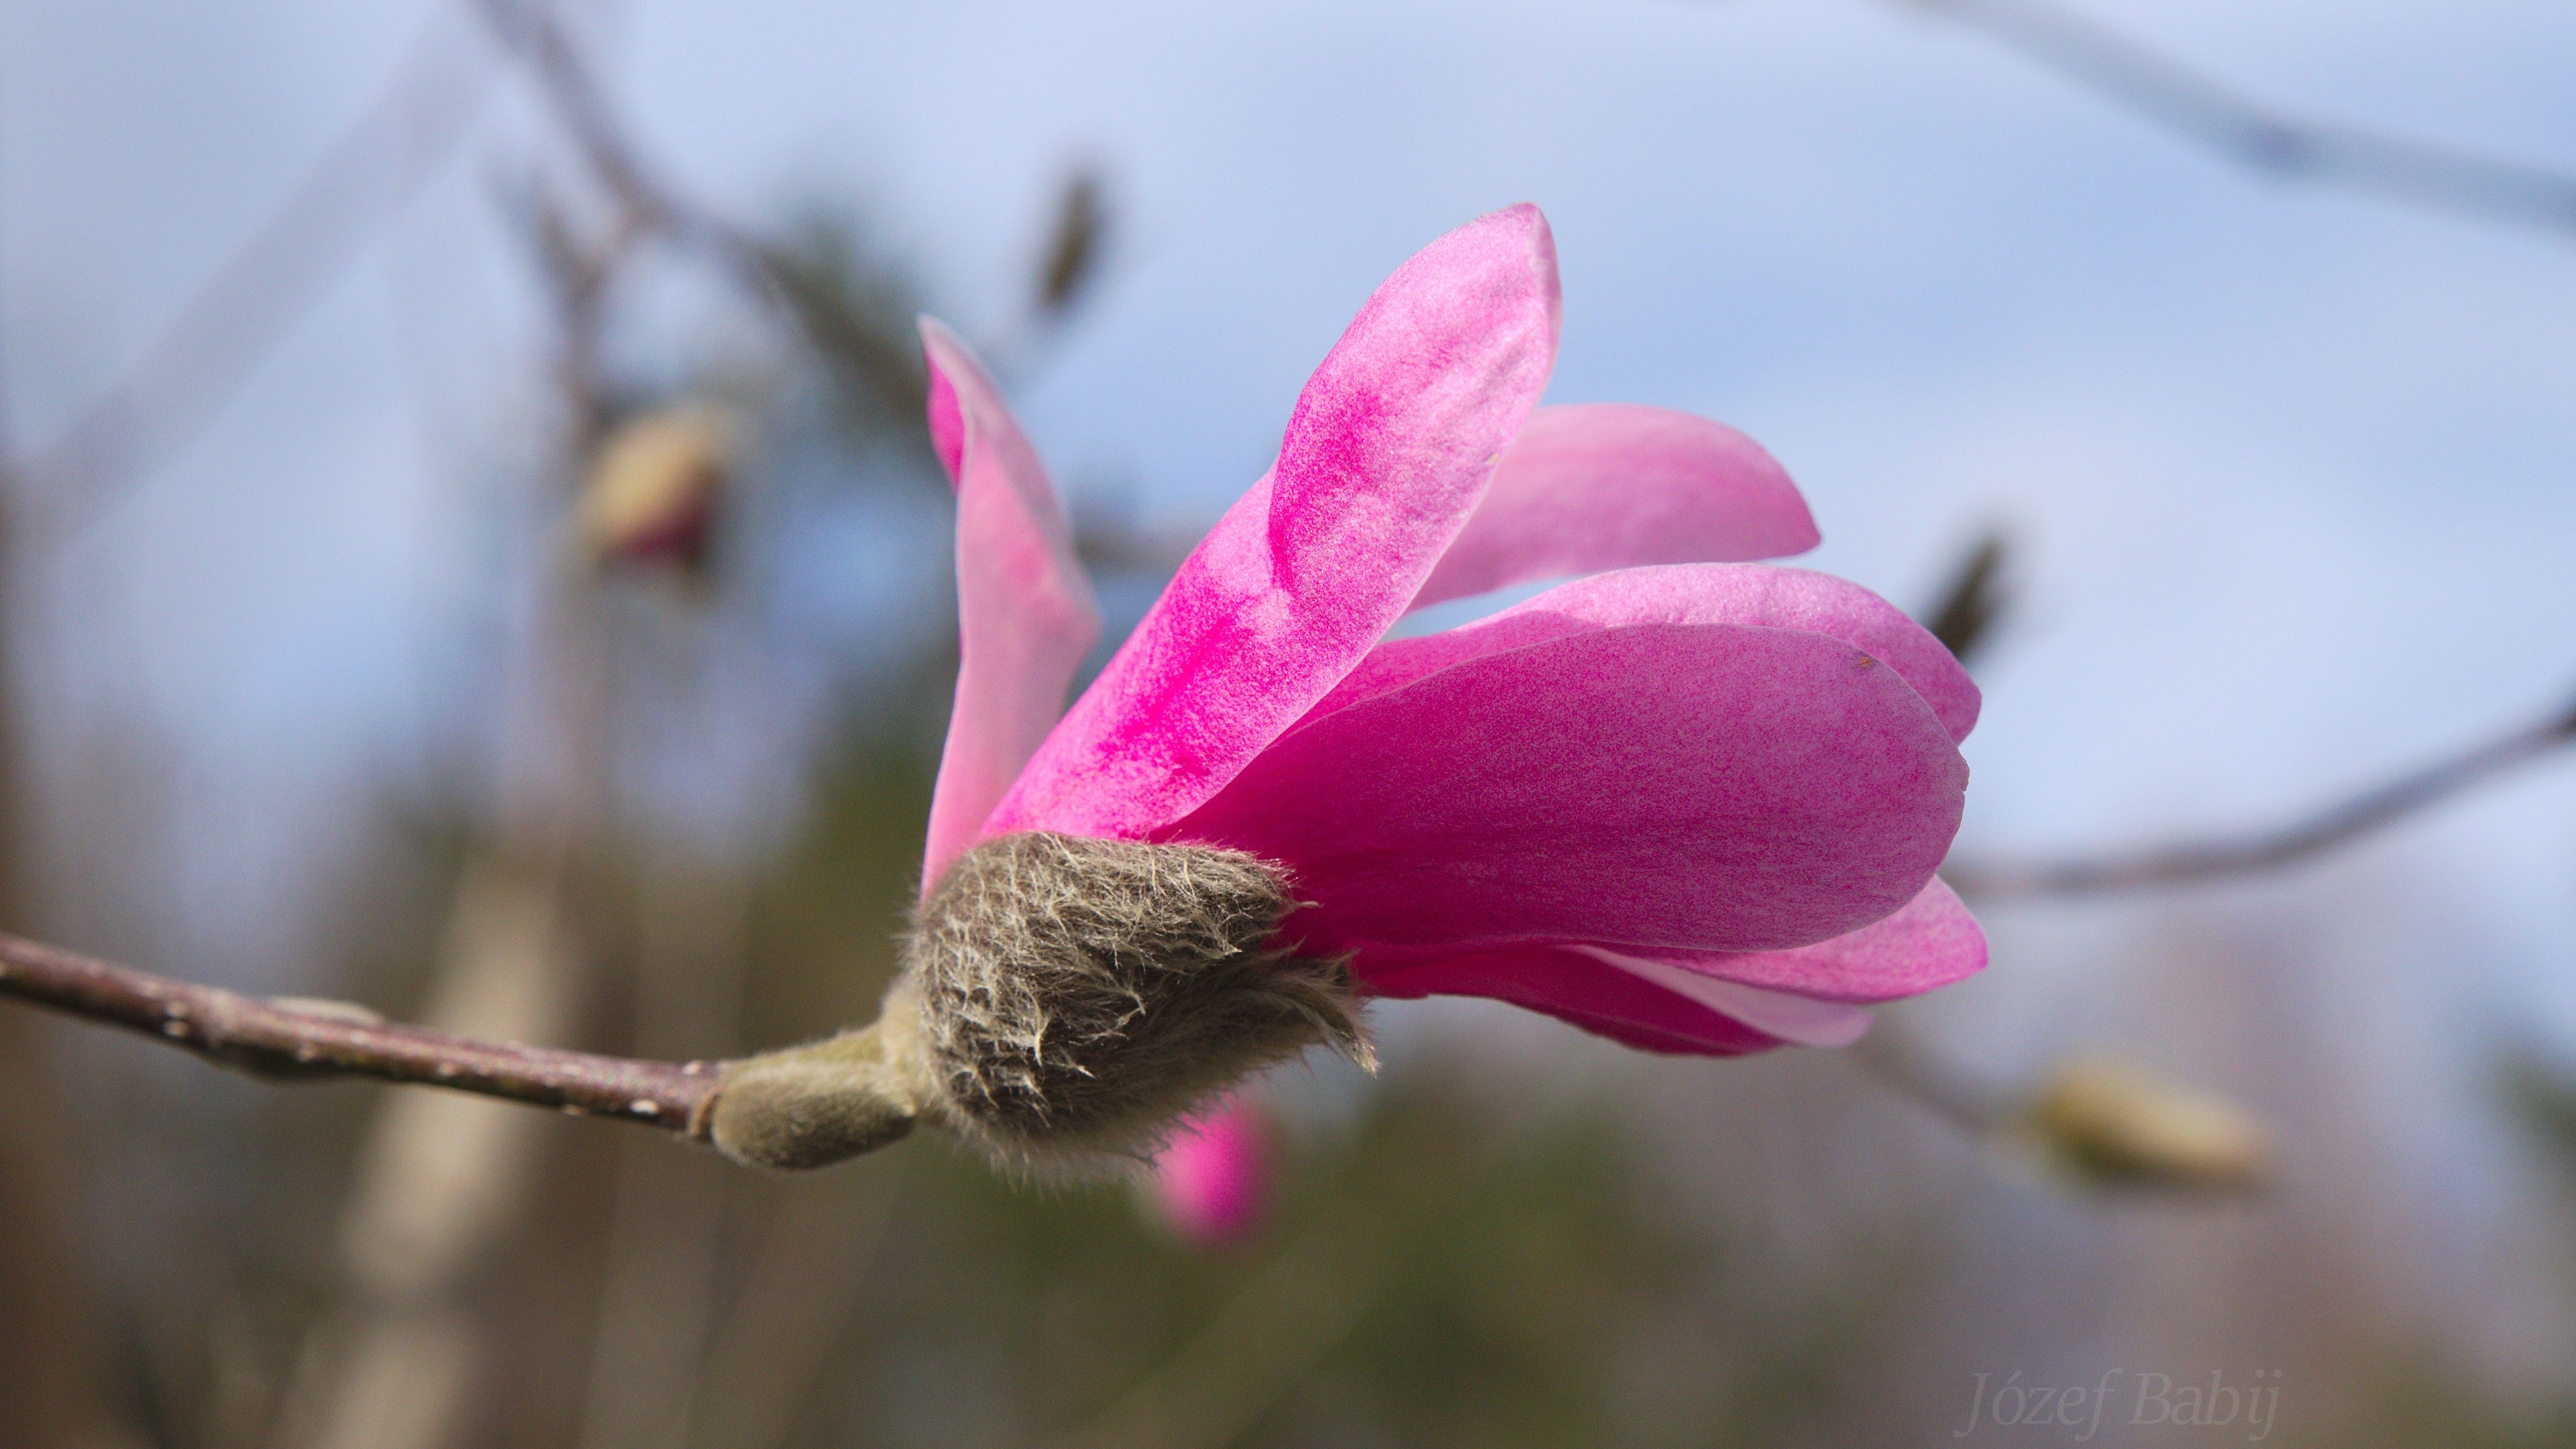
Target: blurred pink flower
[(1693, 805), (1212, 1179)]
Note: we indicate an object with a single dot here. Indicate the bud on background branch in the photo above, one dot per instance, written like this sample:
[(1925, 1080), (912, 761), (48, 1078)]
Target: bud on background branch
[(654, 493), (2111, 1124)]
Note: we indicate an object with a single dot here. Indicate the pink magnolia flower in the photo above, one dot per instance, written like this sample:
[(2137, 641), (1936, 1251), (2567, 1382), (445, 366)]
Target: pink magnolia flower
[(1691, 804), (1212, 1179)]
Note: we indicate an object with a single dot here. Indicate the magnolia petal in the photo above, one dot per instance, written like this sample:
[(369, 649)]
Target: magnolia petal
[(1213, 1177), (1621, 1005), (1613, 485), (1654, 787), (1799, 1020), (1025, 616), (1932, 942), (1804, 997), (1749, 594), (1389, 449)]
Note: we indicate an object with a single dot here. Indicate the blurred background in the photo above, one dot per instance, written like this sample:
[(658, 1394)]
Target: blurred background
[(471, 548)]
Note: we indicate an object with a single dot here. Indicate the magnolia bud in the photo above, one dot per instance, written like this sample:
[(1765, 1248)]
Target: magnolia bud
[(1073, 252), (2113, 1125), (1063, 1000), (654, 489)]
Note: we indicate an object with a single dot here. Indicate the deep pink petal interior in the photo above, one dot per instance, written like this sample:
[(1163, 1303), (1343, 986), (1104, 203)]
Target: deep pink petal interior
[(1660, 786)]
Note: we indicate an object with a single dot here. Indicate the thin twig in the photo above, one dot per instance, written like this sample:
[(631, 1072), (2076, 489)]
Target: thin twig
[(1902, 1065), (2258, 137), (764, 269), (321, 1040), (2337, 824), (286, 265)]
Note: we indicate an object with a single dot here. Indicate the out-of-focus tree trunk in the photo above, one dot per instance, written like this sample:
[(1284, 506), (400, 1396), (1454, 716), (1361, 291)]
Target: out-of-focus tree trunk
[(443, 1179), (54, 1384), (445, 1182), (666, 1220), (54, 1387)]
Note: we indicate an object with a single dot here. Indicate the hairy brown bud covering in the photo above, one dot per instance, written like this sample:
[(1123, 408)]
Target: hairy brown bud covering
[(1062, 999), (1076, 995)]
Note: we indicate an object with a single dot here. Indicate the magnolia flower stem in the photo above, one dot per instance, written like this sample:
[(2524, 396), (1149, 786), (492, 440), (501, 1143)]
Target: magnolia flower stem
[(2337, 824), (317, 1040)]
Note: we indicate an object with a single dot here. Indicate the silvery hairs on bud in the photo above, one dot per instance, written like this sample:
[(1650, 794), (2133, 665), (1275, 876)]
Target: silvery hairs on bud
[(1062, 1001), (1078, 993)]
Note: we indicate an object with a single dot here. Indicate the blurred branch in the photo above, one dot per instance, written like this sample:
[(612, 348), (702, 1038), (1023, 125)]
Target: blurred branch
[(2336, 825), (578, 269), (879, 364), (1901, 1065), (2257, 137), (2100, 1121), (306, 1040), (1068, 269), (286, 265)]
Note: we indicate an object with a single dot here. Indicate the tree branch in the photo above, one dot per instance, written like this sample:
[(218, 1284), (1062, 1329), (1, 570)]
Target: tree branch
[(2337, 824), (316, 1040), (2253, 135), (768, 271)]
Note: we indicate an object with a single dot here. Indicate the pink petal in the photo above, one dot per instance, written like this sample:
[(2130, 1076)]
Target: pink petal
[(1653, 787), (1213, 1177), (1930, 943), (1769, 597), (1799, 1020), (1025, 617), (1798, 996), (1577, 988), (1612, 485), (1388, 452)]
